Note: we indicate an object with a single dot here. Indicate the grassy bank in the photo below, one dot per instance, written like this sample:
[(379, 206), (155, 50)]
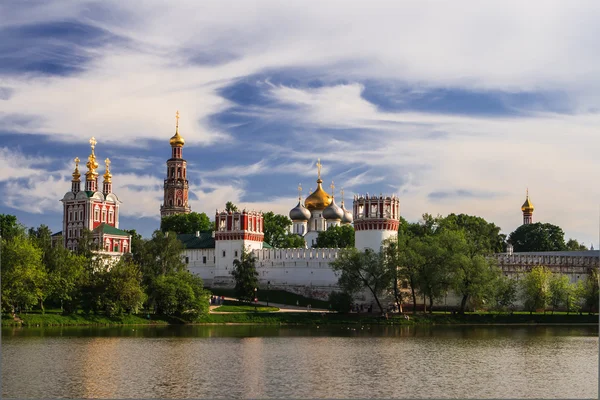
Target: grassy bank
[(304, 318), (238, 306), (277, 296), (55, 319)]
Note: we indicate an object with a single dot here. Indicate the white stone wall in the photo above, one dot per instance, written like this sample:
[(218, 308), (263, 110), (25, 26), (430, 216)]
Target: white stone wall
[(371, 239)]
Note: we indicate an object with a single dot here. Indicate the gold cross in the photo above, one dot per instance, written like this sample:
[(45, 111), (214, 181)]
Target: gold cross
[(177, 119), (76, 162), (107, 162), (93, 142), (342, 191), (319, 168), (299, 190), (332, 186)]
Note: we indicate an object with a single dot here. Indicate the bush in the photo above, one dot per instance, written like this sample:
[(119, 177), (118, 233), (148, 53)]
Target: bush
[(341, 301)]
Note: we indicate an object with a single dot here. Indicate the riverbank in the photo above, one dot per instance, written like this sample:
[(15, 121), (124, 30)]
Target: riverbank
[(305, 318)]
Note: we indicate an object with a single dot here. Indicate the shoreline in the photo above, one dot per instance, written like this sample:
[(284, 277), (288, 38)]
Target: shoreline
[(303, 319)]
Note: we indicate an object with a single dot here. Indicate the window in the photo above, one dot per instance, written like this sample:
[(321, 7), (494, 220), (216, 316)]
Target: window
[(236, 253), (110, 216), (187, 260), (223, 253), (81, 215), (104, 215), (116, 248), (96, 214), (172, 172), (203, 259), (70, 215)]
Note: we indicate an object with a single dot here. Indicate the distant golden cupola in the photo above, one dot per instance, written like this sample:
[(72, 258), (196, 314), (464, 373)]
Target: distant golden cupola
[(177, 140), (92, 164), (527, 207), (319, 199)]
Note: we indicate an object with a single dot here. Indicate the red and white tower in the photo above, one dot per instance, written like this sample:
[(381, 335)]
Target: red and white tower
[(176, 184), (527, 209), (94, 210), (376, 218)]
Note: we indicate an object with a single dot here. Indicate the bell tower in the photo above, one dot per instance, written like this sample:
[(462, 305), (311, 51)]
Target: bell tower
[(527, 209), (176, 184)]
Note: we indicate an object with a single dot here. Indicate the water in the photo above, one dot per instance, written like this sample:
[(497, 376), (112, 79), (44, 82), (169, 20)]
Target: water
[(292, 362)]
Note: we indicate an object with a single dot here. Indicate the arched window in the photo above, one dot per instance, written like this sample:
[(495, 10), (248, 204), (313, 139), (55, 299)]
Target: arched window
[(172, 172), (96, 213), (104, 215), (110, 216)]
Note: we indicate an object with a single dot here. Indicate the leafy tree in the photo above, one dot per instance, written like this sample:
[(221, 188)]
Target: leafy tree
[(230, 207), (65, 271), (408, 256), (538, 237), (574, 245), (180, 294), (162, 256), (360, 270), (10, 227), (245, 275), (186, 223), (484, 237), (588, 291), (475, 278), (277, 232), (437, 252), (23, 276), (392, 262), (559, 290), (337, 237), (573, 297), (506, 292), (122, 289), (536, 288)]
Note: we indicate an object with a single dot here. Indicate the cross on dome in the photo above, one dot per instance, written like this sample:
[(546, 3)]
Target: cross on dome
[(319, 168), (332, 186), (93, 142), (177, 119)]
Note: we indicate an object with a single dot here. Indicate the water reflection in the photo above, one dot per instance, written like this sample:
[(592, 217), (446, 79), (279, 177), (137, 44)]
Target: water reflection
[(301, 362)]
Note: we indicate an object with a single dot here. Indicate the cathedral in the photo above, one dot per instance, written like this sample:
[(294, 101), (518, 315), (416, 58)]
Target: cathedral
[(93, 208)]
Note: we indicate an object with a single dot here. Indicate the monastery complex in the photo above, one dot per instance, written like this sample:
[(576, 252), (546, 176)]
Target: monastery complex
[(302, 270)]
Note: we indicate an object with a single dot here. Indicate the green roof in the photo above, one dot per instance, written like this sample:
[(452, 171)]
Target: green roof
[(267, 245), (191, 241), (110, 230)]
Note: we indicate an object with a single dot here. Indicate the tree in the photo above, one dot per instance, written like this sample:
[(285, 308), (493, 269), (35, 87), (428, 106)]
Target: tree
[(360, 270), (65, 271), (536, 288), (10, 227), (484, 236), (574, 245), (277, 232), (23, 276), (230, 207), (162, 256), (588, 291), (538, 237), (122, 289), (408, 256), (506, 292), (559, 290), (180, 294), (186, 223), (475, 278), (336, 237), (340, 301), (245, 275)]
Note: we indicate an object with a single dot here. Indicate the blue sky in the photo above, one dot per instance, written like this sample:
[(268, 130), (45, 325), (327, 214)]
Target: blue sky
[(453, 111)]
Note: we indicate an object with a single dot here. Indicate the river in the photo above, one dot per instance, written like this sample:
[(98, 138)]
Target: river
[(301, 362)]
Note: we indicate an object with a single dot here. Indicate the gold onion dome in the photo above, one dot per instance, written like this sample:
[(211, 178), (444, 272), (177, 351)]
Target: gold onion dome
[(92, 165), (177, 140), (319, 199), (527, 206), (107, 174), (76, 173)]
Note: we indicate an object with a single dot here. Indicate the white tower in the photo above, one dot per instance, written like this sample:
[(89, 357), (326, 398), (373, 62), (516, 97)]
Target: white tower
[(375, 219), (235, 231)]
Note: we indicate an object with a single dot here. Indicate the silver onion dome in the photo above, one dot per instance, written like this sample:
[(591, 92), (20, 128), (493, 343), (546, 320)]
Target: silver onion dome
[(299, 213), (333, 211), (348, 218)]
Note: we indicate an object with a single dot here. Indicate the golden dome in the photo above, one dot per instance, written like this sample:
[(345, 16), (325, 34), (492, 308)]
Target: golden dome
[(177, 140), (319, 199), (527, 206), (92, 165), (107, 174), (76, 174)]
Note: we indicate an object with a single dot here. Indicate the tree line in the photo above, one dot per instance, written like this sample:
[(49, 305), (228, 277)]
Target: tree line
[(442, 255), (36, 275)]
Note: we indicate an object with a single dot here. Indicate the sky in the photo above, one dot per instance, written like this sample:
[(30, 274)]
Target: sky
[(454, 107)]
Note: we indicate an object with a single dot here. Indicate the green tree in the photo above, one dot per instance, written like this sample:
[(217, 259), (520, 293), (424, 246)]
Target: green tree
[(180, 294), (276, 228), (362, 270), (535, 288), (245, 275), (336, 237), (123, 290), (538, 237), (559, 290), (409, 256), (10, 227), (505, 294), (340, 301), (162, 256), (574, 245), (65, 271), (230, 207), (588, 291), (484, 236), (475, 278), (23, 275), (186, 223)]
